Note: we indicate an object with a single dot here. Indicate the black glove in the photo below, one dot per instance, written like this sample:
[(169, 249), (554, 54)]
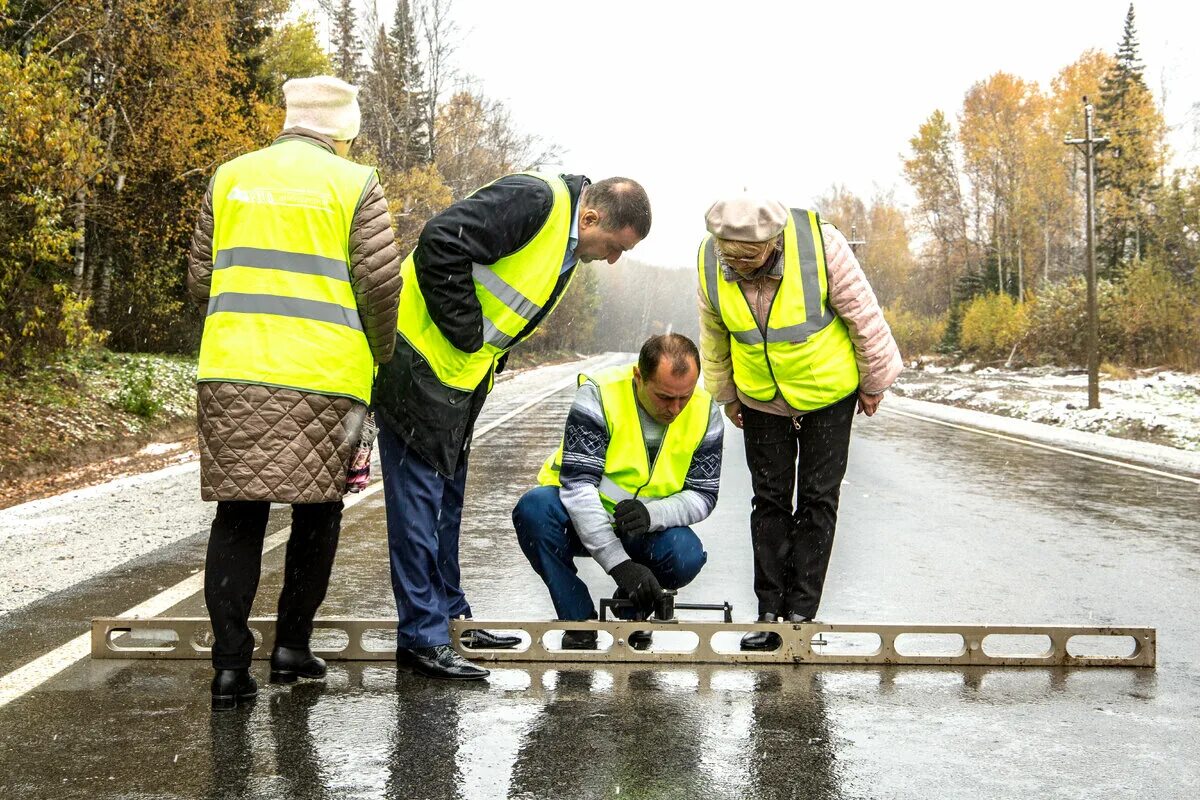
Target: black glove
[(638, 583), (631, 518)]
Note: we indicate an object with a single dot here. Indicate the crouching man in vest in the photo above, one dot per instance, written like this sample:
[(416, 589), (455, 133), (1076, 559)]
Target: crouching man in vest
[(295, 259), (639, 463)]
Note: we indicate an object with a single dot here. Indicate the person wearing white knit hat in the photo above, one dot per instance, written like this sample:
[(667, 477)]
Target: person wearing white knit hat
[(294, 261)]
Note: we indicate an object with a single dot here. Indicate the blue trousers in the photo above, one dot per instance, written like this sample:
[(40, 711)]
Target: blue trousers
[(549, 541), (424, 515)]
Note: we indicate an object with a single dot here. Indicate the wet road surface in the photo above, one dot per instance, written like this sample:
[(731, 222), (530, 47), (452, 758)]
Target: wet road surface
[(936, 525)]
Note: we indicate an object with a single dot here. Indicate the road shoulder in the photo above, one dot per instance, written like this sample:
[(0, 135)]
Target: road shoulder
[(1159, 457)]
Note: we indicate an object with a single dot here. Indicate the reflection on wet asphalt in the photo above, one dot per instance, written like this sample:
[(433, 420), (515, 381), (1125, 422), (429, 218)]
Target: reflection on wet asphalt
[(937, 525)]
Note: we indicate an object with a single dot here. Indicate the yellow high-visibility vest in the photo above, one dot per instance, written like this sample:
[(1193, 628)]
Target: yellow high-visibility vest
[(511, 292), (805, 350), (282, 311), (628, 472)]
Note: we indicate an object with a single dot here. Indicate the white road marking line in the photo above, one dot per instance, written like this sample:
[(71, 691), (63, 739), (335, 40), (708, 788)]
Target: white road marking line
[(36, 672), (42, 669), (1051, 448), (25, 510)]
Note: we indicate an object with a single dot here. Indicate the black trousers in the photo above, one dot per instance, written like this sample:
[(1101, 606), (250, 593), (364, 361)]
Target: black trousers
[(233, 564), (792, 544)]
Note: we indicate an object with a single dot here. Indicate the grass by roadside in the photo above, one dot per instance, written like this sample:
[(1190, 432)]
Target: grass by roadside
[(85, 408)]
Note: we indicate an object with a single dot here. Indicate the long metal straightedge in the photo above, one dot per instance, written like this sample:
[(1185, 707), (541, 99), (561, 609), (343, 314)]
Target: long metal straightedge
[(678, 641)]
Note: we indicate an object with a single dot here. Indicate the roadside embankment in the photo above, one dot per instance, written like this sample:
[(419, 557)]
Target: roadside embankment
[(91, 417)]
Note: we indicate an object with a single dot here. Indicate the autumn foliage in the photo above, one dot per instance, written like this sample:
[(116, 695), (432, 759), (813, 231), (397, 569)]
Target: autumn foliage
[(121, 113), (1000, 215), (115, 115)]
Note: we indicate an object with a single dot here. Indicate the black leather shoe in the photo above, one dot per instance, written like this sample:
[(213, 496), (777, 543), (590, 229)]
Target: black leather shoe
[(478, 638), (290, 663), (439, 661), (798, 619), (640, 640), (762, 640), (579, 640), (231, 687)]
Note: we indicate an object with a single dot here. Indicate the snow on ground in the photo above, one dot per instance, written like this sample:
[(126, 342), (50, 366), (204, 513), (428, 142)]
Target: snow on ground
[(1157, 407)]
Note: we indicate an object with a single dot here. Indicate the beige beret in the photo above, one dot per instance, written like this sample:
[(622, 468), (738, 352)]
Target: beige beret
[(746, 218), (323, 104)]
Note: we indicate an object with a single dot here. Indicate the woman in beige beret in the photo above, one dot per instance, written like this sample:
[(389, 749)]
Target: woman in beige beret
[(792, 342)]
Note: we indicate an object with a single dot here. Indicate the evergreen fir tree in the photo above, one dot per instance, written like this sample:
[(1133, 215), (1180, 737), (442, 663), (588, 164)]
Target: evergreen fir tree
[(1127, 171), (969, 285), (376, 100), (392, 97), (410, 119), (251, 26), (347, 47)]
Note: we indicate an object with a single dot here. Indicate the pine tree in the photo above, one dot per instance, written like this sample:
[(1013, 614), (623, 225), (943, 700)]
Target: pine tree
[(249, 29), (410, 121), (377, 101), (347, 47), (1127, 171), (392, 97)]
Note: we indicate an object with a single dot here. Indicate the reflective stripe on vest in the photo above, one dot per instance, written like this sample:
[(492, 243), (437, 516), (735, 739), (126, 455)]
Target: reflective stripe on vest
[(282, 311), (627, 471), (285, 307), (516, 302), (805, 353), (511, 293), (332, 268)]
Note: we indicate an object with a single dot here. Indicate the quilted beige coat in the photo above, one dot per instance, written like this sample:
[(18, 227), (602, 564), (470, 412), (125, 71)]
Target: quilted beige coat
[(850, 297), (287, 446)]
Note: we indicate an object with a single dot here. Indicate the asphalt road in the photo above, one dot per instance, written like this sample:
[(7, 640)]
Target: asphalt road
[(937, 525)]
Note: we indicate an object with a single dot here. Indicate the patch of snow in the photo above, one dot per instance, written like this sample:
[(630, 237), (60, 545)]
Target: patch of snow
[(158, 448), (1160, 408)]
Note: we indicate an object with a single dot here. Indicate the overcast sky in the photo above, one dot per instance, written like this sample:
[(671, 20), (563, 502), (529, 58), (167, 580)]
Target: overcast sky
[(696, 99)]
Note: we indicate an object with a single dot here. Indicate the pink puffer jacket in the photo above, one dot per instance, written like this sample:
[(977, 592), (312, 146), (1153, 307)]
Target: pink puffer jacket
[(852, 299)]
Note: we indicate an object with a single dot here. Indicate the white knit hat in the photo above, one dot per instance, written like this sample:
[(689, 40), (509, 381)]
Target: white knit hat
[(323, 104)]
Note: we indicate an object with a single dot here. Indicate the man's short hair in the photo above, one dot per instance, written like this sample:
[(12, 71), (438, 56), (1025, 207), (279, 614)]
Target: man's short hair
[(623, 202), (677, 348)]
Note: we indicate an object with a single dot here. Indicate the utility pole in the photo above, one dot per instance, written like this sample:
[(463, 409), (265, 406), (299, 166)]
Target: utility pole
[(854, 241), (1089, 145)]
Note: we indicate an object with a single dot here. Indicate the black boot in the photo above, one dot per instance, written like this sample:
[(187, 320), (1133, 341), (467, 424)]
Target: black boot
[(290, 663), (762, 640), (579, 640), (478, 638), (439, 661), (640, 640), (231, 687)]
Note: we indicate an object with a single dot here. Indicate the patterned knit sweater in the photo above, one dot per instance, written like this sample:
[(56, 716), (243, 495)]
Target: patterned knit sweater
[(584, 447)]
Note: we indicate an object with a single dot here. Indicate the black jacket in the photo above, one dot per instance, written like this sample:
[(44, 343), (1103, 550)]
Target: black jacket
[(497, 221)]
